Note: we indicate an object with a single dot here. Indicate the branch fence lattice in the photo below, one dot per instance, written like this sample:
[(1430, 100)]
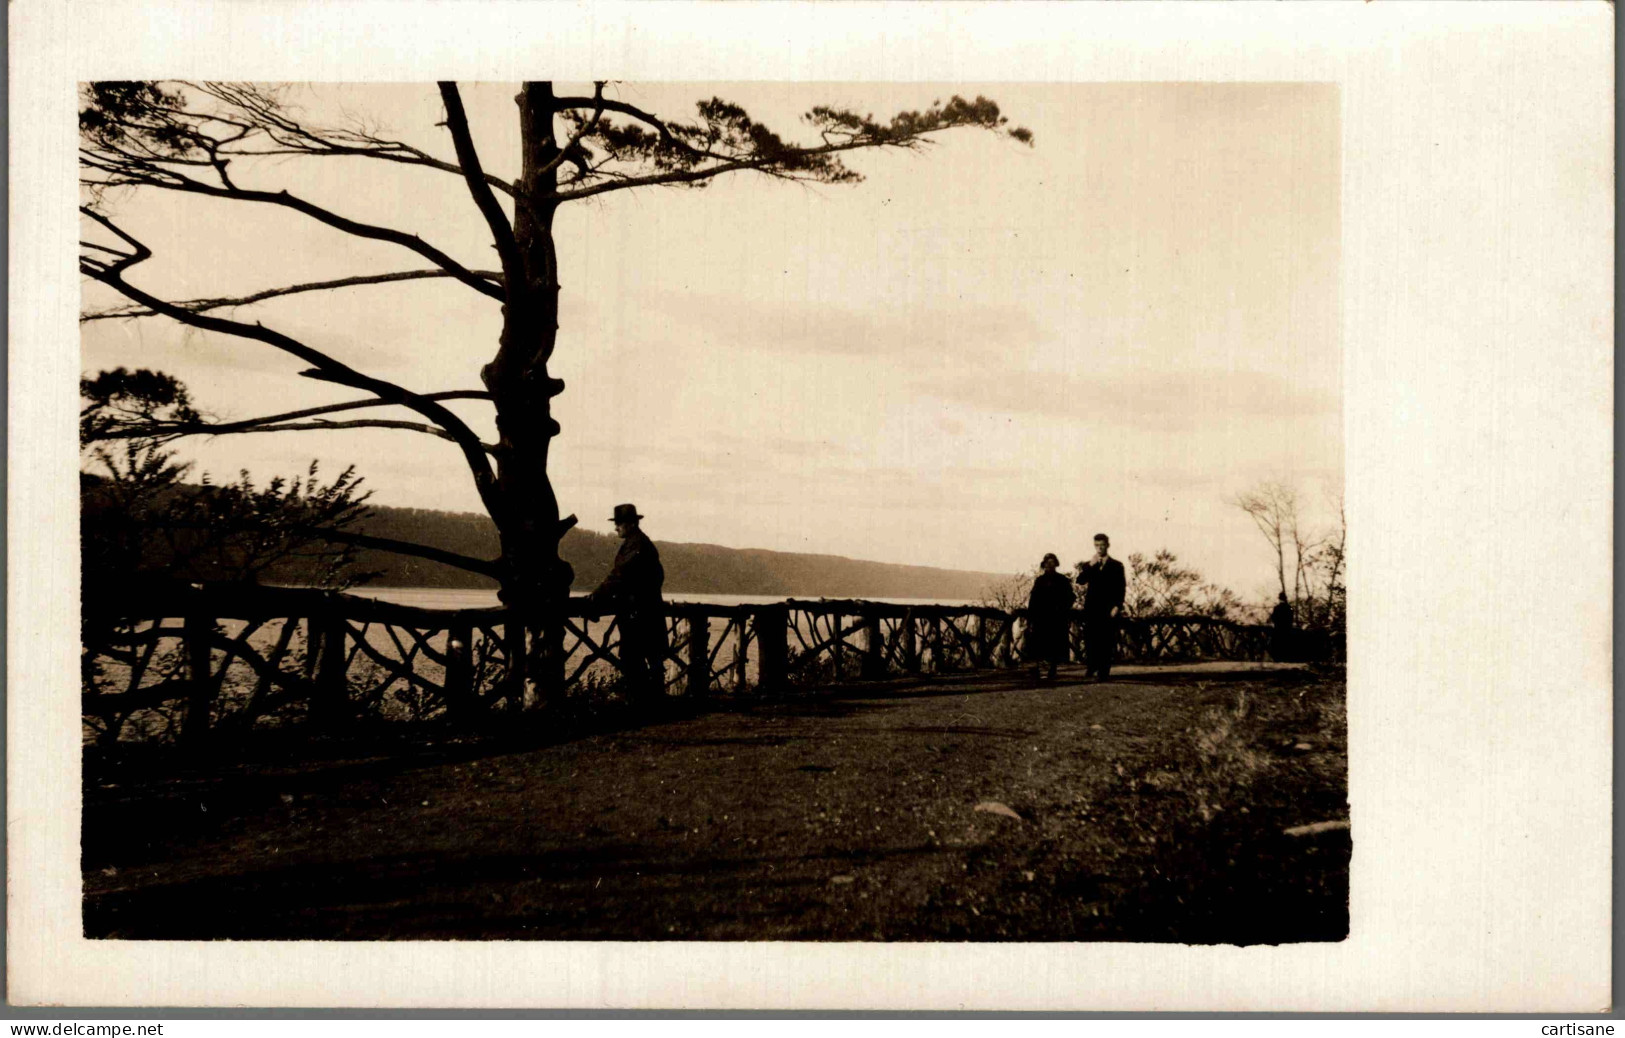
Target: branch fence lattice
[(224, 660)]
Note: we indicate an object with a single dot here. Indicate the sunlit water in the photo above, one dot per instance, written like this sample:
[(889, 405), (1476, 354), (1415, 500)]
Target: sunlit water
[(481, 598)]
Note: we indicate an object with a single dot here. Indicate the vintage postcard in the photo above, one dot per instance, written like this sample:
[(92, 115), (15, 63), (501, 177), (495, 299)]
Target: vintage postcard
[(953, 506)]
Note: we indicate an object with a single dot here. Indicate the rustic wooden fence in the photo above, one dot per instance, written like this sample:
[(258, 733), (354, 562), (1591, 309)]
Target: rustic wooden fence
[(228, 659)]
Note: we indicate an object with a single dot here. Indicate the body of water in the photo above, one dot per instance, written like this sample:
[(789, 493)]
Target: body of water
[(482, 598)]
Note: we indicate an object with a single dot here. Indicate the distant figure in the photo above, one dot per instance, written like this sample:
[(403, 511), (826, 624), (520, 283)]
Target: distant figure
[(632, 593), (1281, 638), (1049, 617), (1104, 584)]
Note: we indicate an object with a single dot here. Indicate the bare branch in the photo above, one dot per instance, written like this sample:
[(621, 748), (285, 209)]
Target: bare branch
[(202, 305), (166, 431), (259, 125), (172, 181), (581, 131), (495, 218), (352, 405), (323, 367), (354, 423), (140, 252), (655, 180), (388, 151), (159, 433), (485, 567), (361, 230)]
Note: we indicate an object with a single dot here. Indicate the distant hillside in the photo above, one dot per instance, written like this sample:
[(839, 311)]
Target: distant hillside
[(709, 568), (694, 568)]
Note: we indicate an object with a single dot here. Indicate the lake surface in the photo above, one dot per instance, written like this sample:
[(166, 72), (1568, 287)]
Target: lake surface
[(482, 598)]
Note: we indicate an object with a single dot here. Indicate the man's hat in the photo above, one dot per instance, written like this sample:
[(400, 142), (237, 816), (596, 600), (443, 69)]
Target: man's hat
[(625, 514)]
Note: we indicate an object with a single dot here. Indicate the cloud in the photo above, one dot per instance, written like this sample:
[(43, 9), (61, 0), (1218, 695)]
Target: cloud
[(954, 331), (1180, 400)]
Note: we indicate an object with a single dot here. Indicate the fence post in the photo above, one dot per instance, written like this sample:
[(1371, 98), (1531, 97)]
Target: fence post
[(837, 645), (772, 635), (742, 656), (197, 630), (332, 681), (313, 646), (699, 653), (460, 670), (874, 665), (513, 647), (934, 639), (547, 665), (911, 645)]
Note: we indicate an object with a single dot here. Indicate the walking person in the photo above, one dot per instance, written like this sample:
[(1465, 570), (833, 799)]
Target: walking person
[(1104, 587), (632, 593), (1049, 618)]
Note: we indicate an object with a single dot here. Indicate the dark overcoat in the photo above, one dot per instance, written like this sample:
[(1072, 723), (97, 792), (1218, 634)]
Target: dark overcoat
[(1105, 587), (632, 592), (1049, 617), (1282, 636)]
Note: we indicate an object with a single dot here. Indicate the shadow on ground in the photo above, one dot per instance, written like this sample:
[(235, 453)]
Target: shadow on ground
[(1152, 807)]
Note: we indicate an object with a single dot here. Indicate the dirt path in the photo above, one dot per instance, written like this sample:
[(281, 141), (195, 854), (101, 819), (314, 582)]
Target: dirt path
[(1150, 807)]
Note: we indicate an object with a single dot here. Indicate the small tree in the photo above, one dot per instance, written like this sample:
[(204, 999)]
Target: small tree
[(1273, 508), (1325, 605), (1316, 558), (1010, 593), (1162, 586), (1157, 584), (143, 524), (1220, 603)]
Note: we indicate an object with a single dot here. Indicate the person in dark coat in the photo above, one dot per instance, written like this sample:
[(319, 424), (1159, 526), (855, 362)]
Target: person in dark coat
[(1049, 617), (1104, 587), (1281, 637), (632, 593)]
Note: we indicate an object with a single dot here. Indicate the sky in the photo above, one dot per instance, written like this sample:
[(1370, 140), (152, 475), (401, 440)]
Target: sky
[(983, 352)]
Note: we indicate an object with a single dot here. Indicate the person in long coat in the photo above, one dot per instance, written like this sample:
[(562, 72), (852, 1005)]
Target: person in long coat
[(1049, 618), (632, 593), (1282, 635), (1106, 586)]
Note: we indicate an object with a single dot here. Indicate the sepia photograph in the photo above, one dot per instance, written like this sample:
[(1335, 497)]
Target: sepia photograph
[(626, 511), (799, 506)]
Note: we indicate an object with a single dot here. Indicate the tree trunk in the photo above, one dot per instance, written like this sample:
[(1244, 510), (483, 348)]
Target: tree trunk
[(535, 581), (1280, 560)]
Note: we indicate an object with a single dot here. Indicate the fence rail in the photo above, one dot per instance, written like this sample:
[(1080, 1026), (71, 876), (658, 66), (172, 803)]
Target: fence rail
[(229, 659)]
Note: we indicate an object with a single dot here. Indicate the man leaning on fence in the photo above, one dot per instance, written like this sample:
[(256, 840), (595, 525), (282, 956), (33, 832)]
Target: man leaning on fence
[(632, 593)]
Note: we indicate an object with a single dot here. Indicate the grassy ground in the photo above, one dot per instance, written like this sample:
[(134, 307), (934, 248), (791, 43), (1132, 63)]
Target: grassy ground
[(1153, 807)]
